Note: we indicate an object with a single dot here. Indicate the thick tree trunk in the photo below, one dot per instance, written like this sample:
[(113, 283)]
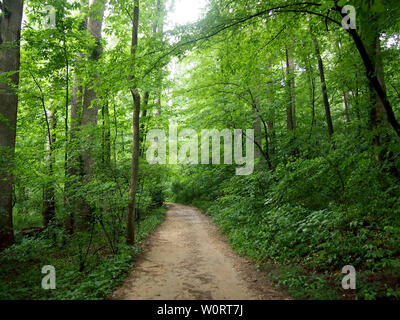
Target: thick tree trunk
[(130, 229), (90, 108), (324, 89), (74, 160), (10, 34), (377, 112)]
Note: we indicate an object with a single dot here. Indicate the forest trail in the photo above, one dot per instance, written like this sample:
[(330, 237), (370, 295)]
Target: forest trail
[(187, 258)]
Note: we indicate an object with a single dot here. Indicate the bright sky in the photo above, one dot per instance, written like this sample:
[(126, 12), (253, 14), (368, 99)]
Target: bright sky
[(182, 12)]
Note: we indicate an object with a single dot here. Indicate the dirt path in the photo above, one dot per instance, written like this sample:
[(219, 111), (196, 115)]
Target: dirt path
[(188, 258)]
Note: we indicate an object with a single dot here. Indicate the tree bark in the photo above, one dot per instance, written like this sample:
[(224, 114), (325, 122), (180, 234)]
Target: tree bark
[(10, 35), (74, 157), (377, 111), (130, 229), (324, 89), (90, 108), (379, 114)]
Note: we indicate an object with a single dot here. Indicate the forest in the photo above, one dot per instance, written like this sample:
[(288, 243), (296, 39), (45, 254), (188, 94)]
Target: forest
[(312, 86)]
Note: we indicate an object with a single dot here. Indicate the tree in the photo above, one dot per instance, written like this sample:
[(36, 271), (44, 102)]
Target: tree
[(10, 34), (90, 105), (133, 186), (49, 203), (372, 76), (74, 157), (324, 88)]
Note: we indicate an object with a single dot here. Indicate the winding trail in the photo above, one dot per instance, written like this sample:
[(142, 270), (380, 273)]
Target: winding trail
[(187, 258)]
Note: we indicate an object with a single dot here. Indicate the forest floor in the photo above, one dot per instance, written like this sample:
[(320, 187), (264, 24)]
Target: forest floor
[(187, 258)]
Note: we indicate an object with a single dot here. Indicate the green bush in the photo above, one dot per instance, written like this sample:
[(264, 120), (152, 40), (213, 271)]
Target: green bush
[(308, 215), (157, 195), (20, 265)]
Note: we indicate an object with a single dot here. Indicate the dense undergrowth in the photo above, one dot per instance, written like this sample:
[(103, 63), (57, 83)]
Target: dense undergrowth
[(310, 218), (323, 102), (86, 267)]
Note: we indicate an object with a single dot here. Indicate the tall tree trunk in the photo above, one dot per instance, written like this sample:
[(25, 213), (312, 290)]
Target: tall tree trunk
[(49, 203), (74, 157), (324, 89), (377, 111), (130, 229), (90, 107), (10, 34)]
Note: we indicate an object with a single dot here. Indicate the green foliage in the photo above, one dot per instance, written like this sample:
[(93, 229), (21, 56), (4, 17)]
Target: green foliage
[(278, 218), (305, 286), (20, 265), (157, 196), (323, 201), (326, 201)]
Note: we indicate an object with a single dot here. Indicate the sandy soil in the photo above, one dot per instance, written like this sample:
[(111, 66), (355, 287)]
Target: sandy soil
[(187, 258)]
